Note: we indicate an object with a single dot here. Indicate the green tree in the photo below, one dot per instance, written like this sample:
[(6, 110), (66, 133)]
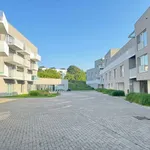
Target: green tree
[(73, 69), (69, 76), (75, 73), (49, 73)]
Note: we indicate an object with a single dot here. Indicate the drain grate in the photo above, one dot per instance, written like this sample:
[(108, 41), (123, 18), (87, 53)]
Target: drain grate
[(141, 118)]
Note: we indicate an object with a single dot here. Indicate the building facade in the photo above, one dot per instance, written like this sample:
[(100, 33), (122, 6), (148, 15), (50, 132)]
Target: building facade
[(18, 60), (128, 68), (51, 84)]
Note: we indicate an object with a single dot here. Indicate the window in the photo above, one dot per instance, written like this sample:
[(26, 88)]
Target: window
[(106, 77), (122, 71), (109, 75), (142, 40), (143, 63), (115, 73)]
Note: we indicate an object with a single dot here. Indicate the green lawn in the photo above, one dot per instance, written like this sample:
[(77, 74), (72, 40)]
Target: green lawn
[(33, 96), (79, 85)]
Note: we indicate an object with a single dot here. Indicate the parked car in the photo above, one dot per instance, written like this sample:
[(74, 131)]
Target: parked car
[(69, 90)]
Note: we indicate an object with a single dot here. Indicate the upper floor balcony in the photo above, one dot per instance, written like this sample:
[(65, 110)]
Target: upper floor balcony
[(3, 70), (95, 81), (35, 57), (34, 66), (14, 59), (26, 50), (28, 77), (3, 23), (14, 43), (133, 73), (26, 63), (4, 49)]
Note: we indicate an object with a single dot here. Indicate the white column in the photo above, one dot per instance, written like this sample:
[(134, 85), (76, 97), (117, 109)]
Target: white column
[(148, 86)]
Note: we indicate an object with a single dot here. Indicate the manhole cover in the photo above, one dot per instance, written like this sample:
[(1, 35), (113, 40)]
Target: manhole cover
[(141, 118)]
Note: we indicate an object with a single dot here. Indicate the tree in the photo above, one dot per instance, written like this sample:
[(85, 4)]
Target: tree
[(75, 73), (73, 69), (69, 76), (49, 73)]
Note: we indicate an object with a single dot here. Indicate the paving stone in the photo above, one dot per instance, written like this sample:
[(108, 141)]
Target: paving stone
[(74, 121)]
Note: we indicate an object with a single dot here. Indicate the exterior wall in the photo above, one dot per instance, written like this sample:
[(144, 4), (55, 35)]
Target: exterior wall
[(141, 24), (15, 33), (20, 63), (56, 82), (128, 56)]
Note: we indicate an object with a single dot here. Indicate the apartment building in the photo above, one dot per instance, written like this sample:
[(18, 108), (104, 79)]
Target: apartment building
[(128, 68), (18, 60), (93, 74)]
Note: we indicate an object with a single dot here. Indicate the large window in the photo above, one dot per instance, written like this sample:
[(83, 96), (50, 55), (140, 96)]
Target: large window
[(106, 76), (143, 63), (109, 75), (115, 73), (122, 71), (142, 40)]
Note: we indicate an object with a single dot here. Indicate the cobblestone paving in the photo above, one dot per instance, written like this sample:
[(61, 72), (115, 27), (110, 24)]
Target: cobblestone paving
[(74, 121)]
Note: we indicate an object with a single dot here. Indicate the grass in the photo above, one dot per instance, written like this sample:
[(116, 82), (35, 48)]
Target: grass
[(79, 85), (139, 98), (111, 92), (34, 94)]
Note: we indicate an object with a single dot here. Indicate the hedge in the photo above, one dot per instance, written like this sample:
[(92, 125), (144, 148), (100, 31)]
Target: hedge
[(140, 98), (111, 92)]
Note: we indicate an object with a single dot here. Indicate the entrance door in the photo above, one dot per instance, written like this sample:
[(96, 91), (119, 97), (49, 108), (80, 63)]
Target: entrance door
[(10, 89), (143, 87)]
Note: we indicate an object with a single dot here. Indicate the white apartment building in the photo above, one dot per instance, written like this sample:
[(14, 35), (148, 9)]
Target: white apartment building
[(127, 68), (18, 60)]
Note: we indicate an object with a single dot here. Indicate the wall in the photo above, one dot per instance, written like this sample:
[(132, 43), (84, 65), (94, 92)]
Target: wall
[(50, 81)]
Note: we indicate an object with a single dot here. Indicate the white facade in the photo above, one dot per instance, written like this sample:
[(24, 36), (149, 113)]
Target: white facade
[(128, 68)]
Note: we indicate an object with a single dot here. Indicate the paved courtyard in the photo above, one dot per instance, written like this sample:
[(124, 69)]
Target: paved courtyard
[(74, 121)]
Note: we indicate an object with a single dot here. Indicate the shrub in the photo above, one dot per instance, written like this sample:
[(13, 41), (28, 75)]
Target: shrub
[(118, 93), (34, 93), (111, 92), (140, 98)]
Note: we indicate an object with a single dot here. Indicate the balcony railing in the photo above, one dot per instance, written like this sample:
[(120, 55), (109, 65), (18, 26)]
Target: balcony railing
[(3, 23), (19, 75), (14, 43), (4, 49), (15, 60), (35, 57), (34, 67), (133, 73), (28, 77), (26, 63), (4, 70), (26, 50)]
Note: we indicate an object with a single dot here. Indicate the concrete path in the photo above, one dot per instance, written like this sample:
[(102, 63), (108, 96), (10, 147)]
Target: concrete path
[(74, 121)]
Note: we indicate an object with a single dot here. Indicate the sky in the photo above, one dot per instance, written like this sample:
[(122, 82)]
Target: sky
[(74, 32)]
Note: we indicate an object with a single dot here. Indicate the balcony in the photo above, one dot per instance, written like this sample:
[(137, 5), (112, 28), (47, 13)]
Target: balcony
[(26, 50), (3, 23), (15, 75), (35, 57), (34, 67), (4, 49), (19, 75), (14, 59), (26, 63), (28, 77), (34, 77), (14, 43), (133, 73), (3, 70)]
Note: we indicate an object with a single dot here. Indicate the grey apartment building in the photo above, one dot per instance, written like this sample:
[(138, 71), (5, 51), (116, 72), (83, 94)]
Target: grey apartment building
[(126, 68)]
